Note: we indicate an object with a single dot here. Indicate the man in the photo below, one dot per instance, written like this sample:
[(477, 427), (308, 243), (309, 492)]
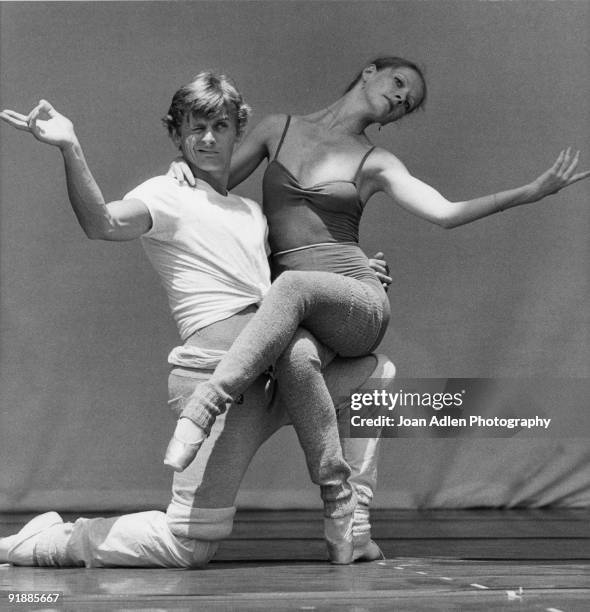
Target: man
[(209, 248)]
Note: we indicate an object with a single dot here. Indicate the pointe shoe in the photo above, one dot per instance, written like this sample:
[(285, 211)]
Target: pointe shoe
[(338, 536), (367, 552), (19, 548), (179, 454)]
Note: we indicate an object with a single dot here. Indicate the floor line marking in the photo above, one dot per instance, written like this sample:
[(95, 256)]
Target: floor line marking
[(478, 586)]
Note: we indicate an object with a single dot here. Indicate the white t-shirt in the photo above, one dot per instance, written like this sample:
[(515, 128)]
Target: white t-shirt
[(210, 250)]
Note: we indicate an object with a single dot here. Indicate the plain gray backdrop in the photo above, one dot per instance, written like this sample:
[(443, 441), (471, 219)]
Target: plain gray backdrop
[(85, 325)]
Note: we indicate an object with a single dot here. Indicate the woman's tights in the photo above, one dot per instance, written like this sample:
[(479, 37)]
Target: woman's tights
[(346, 315)]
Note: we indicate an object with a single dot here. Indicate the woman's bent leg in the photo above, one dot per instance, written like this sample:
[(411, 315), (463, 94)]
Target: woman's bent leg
[(305, 396), (345, 314)]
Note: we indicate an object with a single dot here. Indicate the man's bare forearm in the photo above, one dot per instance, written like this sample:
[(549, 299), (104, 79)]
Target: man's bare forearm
[(85, 195)]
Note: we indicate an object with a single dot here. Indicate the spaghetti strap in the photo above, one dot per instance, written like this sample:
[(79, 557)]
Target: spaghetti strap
[(283, 136), (362, 163)]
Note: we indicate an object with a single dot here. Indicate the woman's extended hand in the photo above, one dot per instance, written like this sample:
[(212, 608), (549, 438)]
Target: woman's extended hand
[(560, 175), (44, 123), (181, 171), (379, 265)]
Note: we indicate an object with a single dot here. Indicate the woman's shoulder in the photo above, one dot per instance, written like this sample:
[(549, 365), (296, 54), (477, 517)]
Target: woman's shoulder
[(381, 159), (271, 124)]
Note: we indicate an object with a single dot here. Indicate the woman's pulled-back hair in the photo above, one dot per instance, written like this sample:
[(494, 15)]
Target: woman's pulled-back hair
[(207, 94), (394, 62)]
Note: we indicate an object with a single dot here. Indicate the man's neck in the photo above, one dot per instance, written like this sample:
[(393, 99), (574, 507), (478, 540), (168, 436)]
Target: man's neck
[(217, 182)]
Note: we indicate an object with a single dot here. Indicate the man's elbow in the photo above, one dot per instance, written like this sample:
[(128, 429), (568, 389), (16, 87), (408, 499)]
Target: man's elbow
[(100, 232), (448, 223), (445, 222)]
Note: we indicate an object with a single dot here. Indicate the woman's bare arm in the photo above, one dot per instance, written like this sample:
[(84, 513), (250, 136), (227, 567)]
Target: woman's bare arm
[(388, 174), (248, 155), (254, 148)]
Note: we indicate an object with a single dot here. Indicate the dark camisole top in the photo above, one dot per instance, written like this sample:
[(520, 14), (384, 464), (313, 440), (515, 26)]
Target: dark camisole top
[(317, 227)]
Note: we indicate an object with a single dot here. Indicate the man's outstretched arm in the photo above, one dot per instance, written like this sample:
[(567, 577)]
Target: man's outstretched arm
[(119, 220)]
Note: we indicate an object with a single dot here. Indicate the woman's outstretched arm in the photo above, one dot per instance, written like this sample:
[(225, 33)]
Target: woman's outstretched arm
[(120, 220), (388, 174)]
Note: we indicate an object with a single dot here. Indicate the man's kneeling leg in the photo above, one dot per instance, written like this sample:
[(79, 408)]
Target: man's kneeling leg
[(345, 376), (142, 539)]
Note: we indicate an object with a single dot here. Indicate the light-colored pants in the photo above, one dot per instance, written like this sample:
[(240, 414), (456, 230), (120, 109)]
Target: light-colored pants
[(202, 509)]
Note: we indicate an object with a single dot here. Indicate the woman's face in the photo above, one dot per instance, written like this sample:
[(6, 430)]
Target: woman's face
[(392, 92)]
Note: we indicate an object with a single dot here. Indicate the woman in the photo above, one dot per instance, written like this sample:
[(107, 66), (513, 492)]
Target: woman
[(322, 171)]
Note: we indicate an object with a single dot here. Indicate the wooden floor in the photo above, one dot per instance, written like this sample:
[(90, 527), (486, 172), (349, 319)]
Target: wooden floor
[(437, 560)]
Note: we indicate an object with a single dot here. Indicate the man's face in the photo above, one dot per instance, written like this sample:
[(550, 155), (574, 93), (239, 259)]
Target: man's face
[(208, 142)]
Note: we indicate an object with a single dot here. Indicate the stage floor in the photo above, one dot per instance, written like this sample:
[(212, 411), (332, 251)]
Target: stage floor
[(437, 560)]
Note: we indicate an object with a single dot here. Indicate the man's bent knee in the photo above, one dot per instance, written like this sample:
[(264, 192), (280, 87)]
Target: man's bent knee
[(202, 553), (206, 524)]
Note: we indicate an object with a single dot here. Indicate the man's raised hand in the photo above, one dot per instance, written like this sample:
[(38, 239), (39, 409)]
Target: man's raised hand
[(44, 123)]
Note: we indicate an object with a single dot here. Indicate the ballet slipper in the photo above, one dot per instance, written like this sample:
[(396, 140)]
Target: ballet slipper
[(369, 551), (19, 549), (179, 454), (184, 445), (338, 536)]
